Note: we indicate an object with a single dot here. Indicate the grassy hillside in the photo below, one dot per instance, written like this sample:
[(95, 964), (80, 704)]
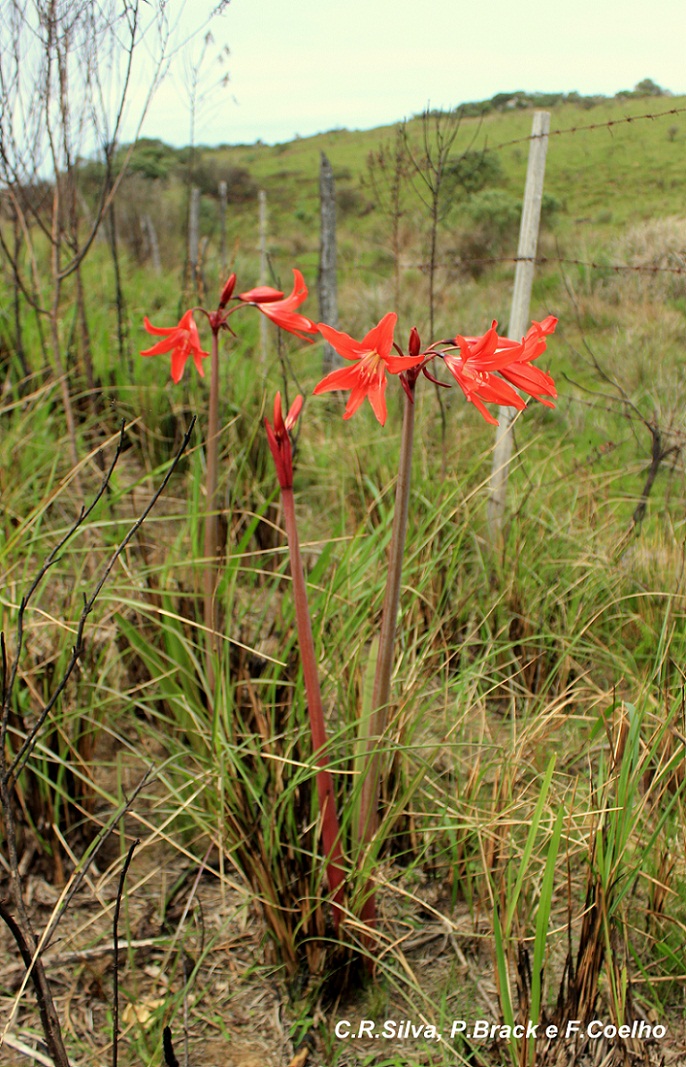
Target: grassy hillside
[(600, 180)]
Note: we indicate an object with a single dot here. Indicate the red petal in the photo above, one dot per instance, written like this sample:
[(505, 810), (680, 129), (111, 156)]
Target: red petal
[(158, 330), (260, 295), (343, 378), (294, 412), (483, 410), (399, 364), (380, 338), (377, 398), (530, 379), (161, 347), (289, 320), (178, 362), (298, 294), (198, 356), (344, 344), (356, 398)]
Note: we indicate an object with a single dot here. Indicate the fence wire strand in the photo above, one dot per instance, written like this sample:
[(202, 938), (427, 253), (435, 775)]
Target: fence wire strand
[(543, 260), (625, 120)]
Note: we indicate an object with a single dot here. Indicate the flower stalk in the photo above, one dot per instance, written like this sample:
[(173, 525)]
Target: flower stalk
[(331, 838), (211, 545), (280, 445), (381, 694), (183, 342)]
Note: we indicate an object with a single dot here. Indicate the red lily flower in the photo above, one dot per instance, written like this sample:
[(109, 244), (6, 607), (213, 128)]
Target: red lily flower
[(487, 364), (533, 380), (281, 309), (279, 440), (473, 371), (373, 359), (182, 341)]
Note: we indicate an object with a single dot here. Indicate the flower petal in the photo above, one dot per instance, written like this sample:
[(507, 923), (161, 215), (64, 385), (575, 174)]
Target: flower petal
[(161, 347), (380, 338), (344, 344), (377, 398), (260, 294)]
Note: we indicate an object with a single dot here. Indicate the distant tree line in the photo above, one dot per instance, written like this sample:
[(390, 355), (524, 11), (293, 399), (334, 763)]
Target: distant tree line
[(518, 99)]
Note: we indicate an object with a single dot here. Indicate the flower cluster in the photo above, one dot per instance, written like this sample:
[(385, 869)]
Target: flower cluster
[(183, 340), (488, 369), (372, 359)]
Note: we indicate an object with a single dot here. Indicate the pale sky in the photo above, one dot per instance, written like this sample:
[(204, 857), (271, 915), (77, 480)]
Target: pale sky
[(305, 66)]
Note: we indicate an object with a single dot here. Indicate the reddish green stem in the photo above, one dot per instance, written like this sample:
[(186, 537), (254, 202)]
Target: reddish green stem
[(211, 546), (331, 837), (381, 694)]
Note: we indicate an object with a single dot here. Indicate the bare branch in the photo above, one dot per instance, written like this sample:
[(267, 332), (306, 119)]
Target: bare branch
[(25, 750), (115, 975)]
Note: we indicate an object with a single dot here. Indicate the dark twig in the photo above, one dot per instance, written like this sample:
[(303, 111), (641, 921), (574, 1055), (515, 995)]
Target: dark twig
[(169, 1057), (48, 563), (46, 1004), (25, 750), (115, 934), (659, 450), (31, 947)]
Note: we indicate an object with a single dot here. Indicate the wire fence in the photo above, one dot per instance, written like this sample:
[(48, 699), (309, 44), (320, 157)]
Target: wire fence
[(312, 199), (608, 125), (542, 260)]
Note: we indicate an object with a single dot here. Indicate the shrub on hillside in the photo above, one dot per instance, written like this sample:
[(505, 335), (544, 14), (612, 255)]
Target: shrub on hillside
[(241, 187), (473, 171), (350, 201), (490, 227), (491, 221), (151, 158), (655, 249)]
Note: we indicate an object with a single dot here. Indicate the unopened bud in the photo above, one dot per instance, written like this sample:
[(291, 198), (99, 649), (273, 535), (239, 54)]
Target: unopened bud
[(227, 291), (414, 344)]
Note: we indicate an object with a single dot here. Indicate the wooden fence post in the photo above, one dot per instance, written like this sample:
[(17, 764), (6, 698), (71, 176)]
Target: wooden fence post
[(148, 228), (519, 314), (194, 238), (327, 284), (224, 266)]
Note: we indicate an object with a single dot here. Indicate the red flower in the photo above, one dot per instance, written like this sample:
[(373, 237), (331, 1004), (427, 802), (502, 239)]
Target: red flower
[(533, 380), (484, 362), (373, 359), (182, 341), (280, 442), (280, 309)]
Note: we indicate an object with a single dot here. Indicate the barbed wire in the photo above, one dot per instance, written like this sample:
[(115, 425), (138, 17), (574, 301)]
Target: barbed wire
[(590, 126), (625, 120), (542, 260)]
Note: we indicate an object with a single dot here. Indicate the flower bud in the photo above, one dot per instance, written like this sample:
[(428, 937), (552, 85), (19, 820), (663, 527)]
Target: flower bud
[(227, 291), (414, 344)]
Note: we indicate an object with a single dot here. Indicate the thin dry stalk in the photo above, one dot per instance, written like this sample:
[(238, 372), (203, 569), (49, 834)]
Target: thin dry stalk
[(115, 936), (19, 922)]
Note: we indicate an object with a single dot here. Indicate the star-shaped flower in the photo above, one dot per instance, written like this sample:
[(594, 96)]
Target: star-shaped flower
[(182, 341), (373, 360), (487, 367)]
